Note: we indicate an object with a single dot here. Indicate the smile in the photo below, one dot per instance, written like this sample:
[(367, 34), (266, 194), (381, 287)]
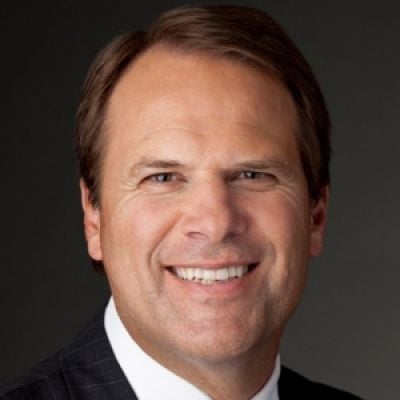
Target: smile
[(208, 276)]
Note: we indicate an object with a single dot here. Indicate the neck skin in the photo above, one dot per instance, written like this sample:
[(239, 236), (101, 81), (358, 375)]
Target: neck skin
[(237, 378)]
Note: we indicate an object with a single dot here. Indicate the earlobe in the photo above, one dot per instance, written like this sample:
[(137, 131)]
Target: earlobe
[(91, 221), (318, 222)]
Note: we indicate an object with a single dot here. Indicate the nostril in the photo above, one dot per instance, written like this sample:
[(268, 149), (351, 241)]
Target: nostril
[(214, 226)]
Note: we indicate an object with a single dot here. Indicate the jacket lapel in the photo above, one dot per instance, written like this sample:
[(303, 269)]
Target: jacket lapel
[(90, 369)]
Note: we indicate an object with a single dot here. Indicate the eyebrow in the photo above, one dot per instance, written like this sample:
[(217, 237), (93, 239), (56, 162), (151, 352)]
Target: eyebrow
[(267, 164), (263, 164), (150, 163)]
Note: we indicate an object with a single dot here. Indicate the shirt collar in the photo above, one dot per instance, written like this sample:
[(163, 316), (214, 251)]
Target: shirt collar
[(142, 371)]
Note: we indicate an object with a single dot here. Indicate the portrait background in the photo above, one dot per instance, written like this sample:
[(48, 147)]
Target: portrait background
[(346, 330)]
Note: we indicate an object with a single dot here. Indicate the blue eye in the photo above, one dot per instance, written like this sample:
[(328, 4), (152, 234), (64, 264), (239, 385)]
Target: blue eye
[(254, 175), (163, 177)]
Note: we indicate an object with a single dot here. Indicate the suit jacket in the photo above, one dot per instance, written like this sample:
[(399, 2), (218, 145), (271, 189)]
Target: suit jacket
[(87, 370)]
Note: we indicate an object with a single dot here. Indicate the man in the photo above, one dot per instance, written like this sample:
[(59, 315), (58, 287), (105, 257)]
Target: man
[(204, 157)]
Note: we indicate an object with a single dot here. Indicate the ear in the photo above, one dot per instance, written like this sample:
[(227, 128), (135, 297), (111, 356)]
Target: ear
[(318, 222), (91, 221)]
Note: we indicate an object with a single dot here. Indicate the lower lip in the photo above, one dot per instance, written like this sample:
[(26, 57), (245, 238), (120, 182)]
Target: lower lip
[(232, 286)]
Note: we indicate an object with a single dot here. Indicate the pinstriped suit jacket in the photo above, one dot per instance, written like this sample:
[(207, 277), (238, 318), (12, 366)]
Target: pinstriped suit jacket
[(88, 370)]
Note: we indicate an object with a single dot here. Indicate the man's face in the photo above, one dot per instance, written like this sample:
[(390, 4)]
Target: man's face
[(205, 225)]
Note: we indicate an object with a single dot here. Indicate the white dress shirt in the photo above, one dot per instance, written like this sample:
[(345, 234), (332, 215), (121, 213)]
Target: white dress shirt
[(149, 379)]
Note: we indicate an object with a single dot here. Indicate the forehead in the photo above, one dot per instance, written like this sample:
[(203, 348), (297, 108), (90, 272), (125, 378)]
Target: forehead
[(164, 93)]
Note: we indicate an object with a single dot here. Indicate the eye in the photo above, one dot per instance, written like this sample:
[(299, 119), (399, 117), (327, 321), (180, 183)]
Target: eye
[(252, 175), (255, 180), (162, 177)]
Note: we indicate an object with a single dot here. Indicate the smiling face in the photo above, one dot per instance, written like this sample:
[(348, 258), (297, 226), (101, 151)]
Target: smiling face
[(205, 226)]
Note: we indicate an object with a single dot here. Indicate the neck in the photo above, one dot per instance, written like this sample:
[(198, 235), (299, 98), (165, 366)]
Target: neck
[(235, 373), (235, 380), (238, 378)]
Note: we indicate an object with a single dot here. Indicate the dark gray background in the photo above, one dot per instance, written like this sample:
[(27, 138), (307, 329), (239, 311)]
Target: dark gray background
[(346, 331)]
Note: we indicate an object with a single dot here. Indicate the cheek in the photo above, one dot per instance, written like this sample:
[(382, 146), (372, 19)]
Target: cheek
[(136, 228), (289, 234), (131, 237), (284, 223), (284, 218)]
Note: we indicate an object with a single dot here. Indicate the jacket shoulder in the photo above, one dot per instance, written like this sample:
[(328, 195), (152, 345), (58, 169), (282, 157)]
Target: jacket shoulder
[(48, 380), (45, 381), (293, 385)]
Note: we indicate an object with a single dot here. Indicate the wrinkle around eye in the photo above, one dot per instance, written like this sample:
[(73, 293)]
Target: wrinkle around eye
[(255, 180)]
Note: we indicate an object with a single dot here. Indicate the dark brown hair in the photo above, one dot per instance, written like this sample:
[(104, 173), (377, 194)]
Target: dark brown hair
[(246, 35)]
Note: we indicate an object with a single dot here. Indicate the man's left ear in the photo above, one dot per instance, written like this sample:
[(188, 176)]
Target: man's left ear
[(318, 222), (91, 221)]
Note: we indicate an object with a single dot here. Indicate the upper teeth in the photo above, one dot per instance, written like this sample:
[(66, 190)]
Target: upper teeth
[(211, 275)]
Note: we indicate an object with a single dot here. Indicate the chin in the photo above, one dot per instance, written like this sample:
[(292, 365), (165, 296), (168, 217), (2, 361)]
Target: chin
[(226, 342)]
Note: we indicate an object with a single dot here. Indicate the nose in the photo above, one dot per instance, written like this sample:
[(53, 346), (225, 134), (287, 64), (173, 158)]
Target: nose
[(212, 212)]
